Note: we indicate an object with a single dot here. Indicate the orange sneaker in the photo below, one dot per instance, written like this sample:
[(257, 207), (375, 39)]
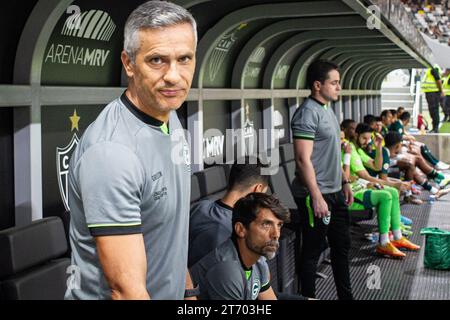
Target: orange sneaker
[(405, 244), (389, 250)]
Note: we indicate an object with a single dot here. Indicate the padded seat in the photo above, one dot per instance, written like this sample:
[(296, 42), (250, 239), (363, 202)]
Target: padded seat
[(31, 266), (287, 261), (195, 189), (212, 181), (287, 152)]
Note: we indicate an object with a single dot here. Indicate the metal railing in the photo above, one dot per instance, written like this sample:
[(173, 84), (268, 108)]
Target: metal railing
[(395, 12)]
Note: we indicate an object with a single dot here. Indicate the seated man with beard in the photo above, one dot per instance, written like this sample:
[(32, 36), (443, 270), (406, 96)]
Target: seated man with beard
[(237, 269)]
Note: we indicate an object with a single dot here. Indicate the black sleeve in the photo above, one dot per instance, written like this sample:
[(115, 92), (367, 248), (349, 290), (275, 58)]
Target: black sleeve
[(265, 288), (435, 73)]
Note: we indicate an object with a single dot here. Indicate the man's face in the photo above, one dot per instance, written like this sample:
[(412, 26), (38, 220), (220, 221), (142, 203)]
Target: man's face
[(373, 125), (364, 139), (387, 119), (394, 150), (406, 123), (379, 126), (394, 118), (350, 131), (164, 67), (263, 234), (331, 87)]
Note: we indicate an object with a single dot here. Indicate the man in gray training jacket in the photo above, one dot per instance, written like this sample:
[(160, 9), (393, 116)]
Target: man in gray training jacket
[(129, 189)]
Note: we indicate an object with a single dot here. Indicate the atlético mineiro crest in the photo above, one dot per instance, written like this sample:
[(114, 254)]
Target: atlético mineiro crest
[(62, 168)]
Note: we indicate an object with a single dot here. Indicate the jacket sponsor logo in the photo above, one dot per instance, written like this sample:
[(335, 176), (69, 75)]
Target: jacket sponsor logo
[(159, 194), (156, 176)]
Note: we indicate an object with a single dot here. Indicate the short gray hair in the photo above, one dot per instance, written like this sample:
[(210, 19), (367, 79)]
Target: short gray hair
[(153, 15)]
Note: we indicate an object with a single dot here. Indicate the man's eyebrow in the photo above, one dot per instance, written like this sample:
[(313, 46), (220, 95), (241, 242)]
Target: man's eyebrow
[(165, 56), (156, 54)]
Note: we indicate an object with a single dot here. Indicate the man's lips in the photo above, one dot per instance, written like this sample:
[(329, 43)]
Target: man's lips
[(272, 247), (170, 92)]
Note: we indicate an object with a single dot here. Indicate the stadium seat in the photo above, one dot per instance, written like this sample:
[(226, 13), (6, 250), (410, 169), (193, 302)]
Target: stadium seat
[(227, 169), (212, 182), (273, 267), (281, 188), (195, 189), (65, 217), (287, 153), (31, 267), (286, 262)]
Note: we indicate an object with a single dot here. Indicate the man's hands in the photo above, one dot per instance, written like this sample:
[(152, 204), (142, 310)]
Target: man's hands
[(376, 186), (320, 206), (348, 194), (403, 186), (378, 140), (346, 147), (189, 285)]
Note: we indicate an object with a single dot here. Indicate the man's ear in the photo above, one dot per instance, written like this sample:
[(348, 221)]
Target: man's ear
[(317, 85), (127, 64), (257, 187), (239, 229)]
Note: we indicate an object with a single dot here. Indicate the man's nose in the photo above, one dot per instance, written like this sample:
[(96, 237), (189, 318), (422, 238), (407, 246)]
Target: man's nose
[(172, 74), (275, 233)]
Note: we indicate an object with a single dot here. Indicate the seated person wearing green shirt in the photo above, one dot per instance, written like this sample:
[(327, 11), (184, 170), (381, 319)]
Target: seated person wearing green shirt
[(390, 165), (394, 143), (379, 164), (406, 162), (386, 119), (394, 115), (360, 142), (372, 195), (237, 269), (415, 147)]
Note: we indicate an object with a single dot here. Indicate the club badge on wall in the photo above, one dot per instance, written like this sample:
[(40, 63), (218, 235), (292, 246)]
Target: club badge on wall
[(63, 155)]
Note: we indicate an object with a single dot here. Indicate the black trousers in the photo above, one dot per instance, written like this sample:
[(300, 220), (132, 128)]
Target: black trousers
[(434, 100), (337, 231), (447, 106)]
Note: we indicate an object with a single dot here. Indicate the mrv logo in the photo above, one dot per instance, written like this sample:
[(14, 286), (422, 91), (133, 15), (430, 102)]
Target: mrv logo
[(93, 25)]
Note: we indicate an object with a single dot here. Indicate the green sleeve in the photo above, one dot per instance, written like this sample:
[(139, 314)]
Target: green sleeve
[(356, 163), (386, 162), (364, 157), (397, 127)]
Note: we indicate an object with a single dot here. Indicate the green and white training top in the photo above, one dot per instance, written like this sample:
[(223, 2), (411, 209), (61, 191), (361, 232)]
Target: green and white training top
[(130, 174)]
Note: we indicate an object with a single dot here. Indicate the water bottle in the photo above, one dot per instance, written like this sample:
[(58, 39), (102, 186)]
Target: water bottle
[(375, 237), (431, 199)]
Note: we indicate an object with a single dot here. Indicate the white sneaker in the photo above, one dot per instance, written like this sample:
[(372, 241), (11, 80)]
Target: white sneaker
[(444, 183), (441, 166), (442, 192)]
